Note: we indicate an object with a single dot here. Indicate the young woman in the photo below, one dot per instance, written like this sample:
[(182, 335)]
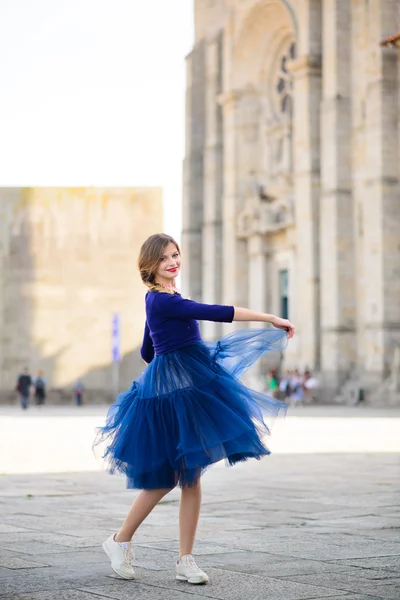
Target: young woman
[(188, 409)]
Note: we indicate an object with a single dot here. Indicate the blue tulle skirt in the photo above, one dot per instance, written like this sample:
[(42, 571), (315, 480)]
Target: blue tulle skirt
[(189, 409)]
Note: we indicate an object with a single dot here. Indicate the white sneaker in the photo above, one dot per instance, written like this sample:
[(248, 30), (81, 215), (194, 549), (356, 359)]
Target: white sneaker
[(187, 570), (121, 556)]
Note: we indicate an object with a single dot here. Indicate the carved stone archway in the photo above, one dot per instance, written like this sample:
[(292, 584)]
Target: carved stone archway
[(264, 49)]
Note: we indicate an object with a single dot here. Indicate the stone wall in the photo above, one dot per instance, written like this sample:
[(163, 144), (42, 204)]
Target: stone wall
[(68, 263)]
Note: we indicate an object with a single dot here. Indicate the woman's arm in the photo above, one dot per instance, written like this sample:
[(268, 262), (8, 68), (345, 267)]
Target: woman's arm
[(245, 314), (176, 307), (147, 349)]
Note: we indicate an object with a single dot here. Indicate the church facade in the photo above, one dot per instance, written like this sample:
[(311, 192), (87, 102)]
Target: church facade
[(291, 178)]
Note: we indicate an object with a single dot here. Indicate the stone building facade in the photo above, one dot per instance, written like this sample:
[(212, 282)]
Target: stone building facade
[(67, 266), (292, 168)]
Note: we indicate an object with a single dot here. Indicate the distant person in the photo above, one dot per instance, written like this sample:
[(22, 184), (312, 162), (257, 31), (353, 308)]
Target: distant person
[(296, 388), (272, 383), (311, 386), (24, 384), (40, 388), (284, 386), (78, 392)]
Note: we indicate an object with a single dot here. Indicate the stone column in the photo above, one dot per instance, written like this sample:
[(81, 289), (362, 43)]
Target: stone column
[(234, 253), (337, 273), (212, 224), (359, 61), (381, 216), (257, 272), (306, 143), (193, 186), (258, 276)]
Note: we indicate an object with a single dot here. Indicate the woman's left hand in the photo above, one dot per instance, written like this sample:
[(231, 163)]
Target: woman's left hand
[(284, 324)]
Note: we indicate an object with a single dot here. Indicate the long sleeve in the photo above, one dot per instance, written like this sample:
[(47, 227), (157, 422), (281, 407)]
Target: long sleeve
[(147, 349), (174, 306)]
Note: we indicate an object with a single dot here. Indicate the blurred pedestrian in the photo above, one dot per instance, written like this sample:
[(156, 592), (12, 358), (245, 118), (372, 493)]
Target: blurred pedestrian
[(272, 383), (78, 392), (24, 384), (40, 388), (311, 386), (296, 388), (284, 386)]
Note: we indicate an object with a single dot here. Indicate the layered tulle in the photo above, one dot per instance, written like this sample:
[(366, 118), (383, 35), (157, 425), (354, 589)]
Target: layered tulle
[(189, 410)]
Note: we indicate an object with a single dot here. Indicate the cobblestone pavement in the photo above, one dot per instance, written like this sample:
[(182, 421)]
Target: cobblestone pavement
[(318, 519)]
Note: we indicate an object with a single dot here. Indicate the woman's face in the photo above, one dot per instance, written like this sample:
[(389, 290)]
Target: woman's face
[(169, 265)]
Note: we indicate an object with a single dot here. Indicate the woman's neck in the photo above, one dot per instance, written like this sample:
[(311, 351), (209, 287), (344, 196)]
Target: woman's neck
[(167, 285)]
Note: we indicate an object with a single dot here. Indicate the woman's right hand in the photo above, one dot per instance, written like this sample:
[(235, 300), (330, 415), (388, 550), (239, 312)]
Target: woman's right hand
[(244, 314), (284, 324)]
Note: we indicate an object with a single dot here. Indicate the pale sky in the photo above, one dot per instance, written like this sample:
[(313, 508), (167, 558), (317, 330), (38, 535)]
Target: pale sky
[(92, 92)]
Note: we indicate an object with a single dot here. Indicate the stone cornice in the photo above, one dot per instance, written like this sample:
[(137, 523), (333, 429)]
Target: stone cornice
[(234, 96), (307, 63), (228, 98)]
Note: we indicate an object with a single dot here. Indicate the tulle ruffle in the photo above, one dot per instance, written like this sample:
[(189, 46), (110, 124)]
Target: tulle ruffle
[(189, 410)]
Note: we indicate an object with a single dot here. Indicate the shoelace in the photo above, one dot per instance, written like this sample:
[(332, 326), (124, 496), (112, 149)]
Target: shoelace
[(190, 562), (128, 553)]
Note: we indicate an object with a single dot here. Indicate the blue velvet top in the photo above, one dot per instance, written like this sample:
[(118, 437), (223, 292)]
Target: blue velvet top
[(171, 322)]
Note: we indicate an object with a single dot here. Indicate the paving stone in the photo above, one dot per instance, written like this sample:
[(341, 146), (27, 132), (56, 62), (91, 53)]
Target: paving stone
[(388, 591), (357, 597), (374, 574), (134, 590), (22, 520), (52, 579), (34, 547), (4, 573), (260, 564), (201, 547), (74, 559), (7, 529), (355, 538), (344, 581), (230, 524), (10, 560), (161, 560), (61, 595), (322, 551), (386, 534), (366, 522), (68, 541), (385, 593), (240, 558), (257, 539), (376, 562), (240, 586)]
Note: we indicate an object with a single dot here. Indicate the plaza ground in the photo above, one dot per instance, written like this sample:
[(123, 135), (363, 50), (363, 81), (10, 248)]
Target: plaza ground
[(320, 518)]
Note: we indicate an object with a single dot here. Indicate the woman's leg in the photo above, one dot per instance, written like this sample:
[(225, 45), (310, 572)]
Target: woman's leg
[(142, 506), (189, 512)]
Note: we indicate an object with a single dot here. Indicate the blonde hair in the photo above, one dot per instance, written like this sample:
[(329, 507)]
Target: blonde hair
[(149, 258)]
